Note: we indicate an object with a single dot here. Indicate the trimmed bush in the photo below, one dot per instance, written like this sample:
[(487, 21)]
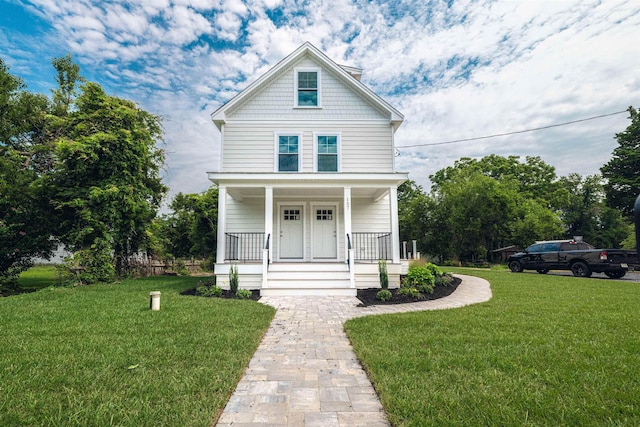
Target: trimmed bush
[(411, 291), (243, 294), (384, 295)]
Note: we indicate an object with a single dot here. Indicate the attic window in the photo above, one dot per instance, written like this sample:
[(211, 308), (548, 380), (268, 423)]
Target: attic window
[(307, 87)]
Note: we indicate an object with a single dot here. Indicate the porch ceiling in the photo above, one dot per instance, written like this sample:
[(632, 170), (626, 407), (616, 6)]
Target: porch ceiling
[(240, 193)]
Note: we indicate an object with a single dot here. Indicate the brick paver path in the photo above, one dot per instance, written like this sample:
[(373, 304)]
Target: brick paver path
[(305, 372)]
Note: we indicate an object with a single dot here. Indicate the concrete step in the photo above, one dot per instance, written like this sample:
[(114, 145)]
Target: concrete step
[(308, 267), (272, 292)]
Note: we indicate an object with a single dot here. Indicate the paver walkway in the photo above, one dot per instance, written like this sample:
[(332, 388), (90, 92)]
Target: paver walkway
[(305, 372)]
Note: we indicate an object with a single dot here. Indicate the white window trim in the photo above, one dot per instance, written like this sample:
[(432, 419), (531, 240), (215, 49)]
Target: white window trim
[(295, 87), (276, 149), (338, 136)]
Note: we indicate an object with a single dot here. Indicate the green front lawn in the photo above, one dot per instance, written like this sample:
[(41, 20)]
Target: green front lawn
[(97, 356), (545, 351)]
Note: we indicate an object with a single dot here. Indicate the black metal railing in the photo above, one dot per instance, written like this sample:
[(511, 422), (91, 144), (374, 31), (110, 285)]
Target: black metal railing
[(266, 246), (349, 247), (372, 246), (244, 246)]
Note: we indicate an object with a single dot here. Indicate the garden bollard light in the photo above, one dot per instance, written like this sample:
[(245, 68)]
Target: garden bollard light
[(154, 301)]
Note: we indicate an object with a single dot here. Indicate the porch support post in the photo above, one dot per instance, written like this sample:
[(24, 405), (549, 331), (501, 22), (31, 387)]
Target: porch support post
[(268, 231), (222, 223), (347, 232), (395, 228), (347, 218)]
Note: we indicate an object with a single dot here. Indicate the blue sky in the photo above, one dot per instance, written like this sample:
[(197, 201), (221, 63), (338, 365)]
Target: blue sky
[(455, 69)]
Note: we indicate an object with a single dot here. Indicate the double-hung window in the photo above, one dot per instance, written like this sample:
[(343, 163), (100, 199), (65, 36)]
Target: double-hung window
[(327, 153), (288, 153), (307, 82)]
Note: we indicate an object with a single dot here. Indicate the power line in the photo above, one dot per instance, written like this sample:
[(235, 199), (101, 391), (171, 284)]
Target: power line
[(512, 133)]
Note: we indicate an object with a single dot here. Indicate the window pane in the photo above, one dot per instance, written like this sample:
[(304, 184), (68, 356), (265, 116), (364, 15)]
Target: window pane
[(327, 144), (288, 144), (288, 163), (308, 98), (327, 163), (307, 80)]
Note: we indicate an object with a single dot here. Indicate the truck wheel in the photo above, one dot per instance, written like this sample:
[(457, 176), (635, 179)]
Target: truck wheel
[(515, 266), (543, 270), (615, 274), (580, 269)]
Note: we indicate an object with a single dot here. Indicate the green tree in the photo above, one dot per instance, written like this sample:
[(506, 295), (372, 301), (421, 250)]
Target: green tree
[(105, 184), (533, 178), (622, 172), (477, 206), (24, 220), (587, 215), (408, 194), (190, 230)]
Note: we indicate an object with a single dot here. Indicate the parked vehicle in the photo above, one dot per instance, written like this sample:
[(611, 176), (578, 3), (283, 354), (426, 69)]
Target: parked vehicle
[(579, 257)]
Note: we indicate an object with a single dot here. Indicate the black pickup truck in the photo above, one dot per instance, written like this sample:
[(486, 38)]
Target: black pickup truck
[(579, 257)]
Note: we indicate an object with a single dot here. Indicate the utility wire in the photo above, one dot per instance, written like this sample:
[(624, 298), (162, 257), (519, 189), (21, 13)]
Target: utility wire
[(511, 133)]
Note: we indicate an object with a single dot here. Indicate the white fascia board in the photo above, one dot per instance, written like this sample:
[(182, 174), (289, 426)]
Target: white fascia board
[(301, 180)]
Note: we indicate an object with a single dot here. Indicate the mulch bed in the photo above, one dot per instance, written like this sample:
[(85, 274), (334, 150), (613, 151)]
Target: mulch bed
[(255, 294), (368, 296)]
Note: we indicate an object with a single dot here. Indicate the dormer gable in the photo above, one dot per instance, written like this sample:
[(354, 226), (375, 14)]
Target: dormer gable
[(301, 81)]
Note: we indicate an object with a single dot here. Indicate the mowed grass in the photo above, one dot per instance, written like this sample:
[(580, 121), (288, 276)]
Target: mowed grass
[(545, 351), (38, 277), (97, 356)]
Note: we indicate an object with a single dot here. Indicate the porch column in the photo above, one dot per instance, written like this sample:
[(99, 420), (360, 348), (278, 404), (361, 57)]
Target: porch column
[(347, 219), (268, 216), (222, 223), (395, 228)]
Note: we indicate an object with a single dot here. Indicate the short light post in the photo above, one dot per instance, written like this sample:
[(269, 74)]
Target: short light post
[(154, 301)]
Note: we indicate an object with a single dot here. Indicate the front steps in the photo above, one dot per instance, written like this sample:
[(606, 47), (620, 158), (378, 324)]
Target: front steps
[(320, 279)]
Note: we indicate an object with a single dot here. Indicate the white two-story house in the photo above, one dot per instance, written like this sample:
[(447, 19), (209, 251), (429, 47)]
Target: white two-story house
[(308, 184)]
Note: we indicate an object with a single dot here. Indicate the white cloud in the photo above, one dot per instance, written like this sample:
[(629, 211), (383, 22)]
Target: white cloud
[(475, 68)]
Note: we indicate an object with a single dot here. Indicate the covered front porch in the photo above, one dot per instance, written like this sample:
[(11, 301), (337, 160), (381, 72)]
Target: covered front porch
[(291, 233)]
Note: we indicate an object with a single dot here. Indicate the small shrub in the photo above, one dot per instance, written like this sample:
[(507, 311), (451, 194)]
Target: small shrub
[(87, 266), (411, 291), (419, 277), (181, 268), (382, 272), (243, 294), (445, 280), (384, 295), (233, 278), (208, 289)]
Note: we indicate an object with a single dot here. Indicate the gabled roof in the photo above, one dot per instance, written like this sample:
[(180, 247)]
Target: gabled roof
[(348, 75)]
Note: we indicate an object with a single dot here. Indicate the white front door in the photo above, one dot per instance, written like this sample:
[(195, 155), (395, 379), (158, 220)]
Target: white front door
[(325, 243), (291, 232)]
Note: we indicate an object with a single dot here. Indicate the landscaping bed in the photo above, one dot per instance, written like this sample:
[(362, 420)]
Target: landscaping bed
[(368, 296)]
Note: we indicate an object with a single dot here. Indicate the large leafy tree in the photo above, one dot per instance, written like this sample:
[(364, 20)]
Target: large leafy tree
[(587, 215), (105, 184), (190, 230), (25, 227), (622, 172), (477, 206)]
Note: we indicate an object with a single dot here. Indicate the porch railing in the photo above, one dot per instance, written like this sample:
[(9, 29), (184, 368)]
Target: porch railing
[(372, 246), (243, 246)]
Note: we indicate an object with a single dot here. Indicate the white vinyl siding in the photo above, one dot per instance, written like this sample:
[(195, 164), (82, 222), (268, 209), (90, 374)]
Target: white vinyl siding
[(275, 101), (363, 147), (370, 216), (245, 216)]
